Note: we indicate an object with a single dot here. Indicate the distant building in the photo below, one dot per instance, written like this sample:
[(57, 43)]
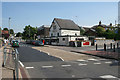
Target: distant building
[(106, 27), (62, 31), (5, 34), (43, 31)]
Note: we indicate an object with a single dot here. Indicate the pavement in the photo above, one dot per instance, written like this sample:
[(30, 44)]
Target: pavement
[(0, 63), (8, 71), (92, 51), (49, 62)]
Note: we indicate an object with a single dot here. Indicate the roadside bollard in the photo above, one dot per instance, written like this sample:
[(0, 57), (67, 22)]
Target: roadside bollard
[(104, 47), (117, 45), (96, 47), (111, 45), (4, 62), (114, 48)]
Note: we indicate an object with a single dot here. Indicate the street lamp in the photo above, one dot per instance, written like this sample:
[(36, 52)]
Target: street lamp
[(9, 27)]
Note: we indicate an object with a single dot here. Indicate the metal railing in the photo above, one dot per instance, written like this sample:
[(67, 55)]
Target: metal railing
[(13, 53)]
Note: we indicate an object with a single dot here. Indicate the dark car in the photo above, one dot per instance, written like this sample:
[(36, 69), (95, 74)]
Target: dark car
[(39, 43), (15, 43), (33, 42), (27, 41)]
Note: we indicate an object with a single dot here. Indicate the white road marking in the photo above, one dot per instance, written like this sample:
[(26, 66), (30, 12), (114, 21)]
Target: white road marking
[(82, 64), (93, 59), (73, 75), (29, 67), (82, 60), (102, 59), (97, 63), (108, 76), (47, 66), (21, 63), (65, 65), (108, 62)]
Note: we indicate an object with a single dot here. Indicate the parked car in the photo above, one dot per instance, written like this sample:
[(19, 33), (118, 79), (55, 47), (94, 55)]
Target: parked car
[(39, 43), (27, 41), (15, 43), (33, 42)]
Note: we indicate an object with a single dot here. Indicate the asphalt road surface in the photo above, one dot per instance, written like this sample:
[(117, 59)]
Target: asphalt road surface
[(40, 65)]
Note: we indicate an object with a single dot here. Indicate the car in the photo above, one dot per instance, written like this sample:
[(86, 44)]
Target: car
[(27, 41), (39, 43), (15, 43), (33, 42)]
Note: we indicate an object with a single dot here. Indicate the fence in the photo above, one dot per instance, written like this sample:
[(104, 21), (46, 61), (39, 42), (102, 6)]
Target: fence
[(11, 58)]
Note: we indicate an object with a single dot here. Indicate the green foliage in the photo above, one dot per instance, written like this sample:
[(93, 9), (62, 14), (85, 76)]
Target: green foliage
[(109, 34), (81, 31), (29, 32), (11, 31), (19, 34), (6, 29), (100, 31)]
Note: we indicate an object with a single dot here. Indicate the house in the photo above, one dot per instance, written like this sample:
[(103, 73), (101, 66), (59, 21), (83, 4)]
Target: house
[(43, 31), (63, 27), (62, 31), (106, 27), (5, 34)]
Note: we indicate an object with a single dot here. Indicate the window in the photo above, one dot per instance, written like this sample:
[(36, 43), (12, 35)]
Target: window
[(57, 34), (51, 34), (54, 27), (63, 39), (75, 34)]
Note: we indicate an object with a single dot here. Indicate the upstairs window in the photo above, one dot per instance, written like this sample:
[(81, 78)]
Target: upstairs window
[(54, 27)]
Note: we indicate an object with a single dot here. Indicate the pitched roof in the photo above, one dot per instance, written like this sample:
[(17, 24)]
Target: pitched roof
[(66, 24)]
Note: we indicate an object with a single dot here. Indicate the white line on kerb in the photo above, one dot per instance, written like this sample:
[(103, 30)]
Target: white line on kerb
[(97, 63), (29, 67), (47, 66), (60, 58), (21, 63), (65, 65), (108, 76), (48, 53)]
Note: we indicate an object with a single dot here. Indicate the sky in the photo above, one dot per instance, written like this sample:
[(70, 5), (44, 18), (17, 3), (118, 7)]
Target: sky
[(36, 14)]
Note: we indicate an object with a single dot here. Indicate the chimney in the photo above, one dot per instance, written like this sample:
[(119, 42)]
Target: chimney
[(110, 24), (100, 23)]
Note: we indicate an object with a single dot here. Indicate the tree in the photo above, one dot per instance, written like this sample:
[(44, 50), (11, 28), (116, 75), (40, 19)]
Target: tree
[(100, 31), (11, 31), (6, 29), (19, 34), (109, 34), (82, 31), (29, 32)]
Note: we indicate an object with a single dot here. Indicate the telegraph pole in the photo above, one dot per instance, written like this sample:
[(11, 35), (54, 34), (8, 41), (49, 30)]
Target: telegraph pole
[(9, 27)]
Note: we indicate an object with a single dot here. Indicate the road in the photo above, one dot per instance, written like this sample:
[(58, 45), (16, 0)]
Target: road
[(41, 65)]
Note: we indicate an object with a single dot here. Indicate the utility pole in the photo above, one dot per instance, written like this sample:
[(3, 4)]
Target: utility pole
[(9, 27), (115, 23)]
